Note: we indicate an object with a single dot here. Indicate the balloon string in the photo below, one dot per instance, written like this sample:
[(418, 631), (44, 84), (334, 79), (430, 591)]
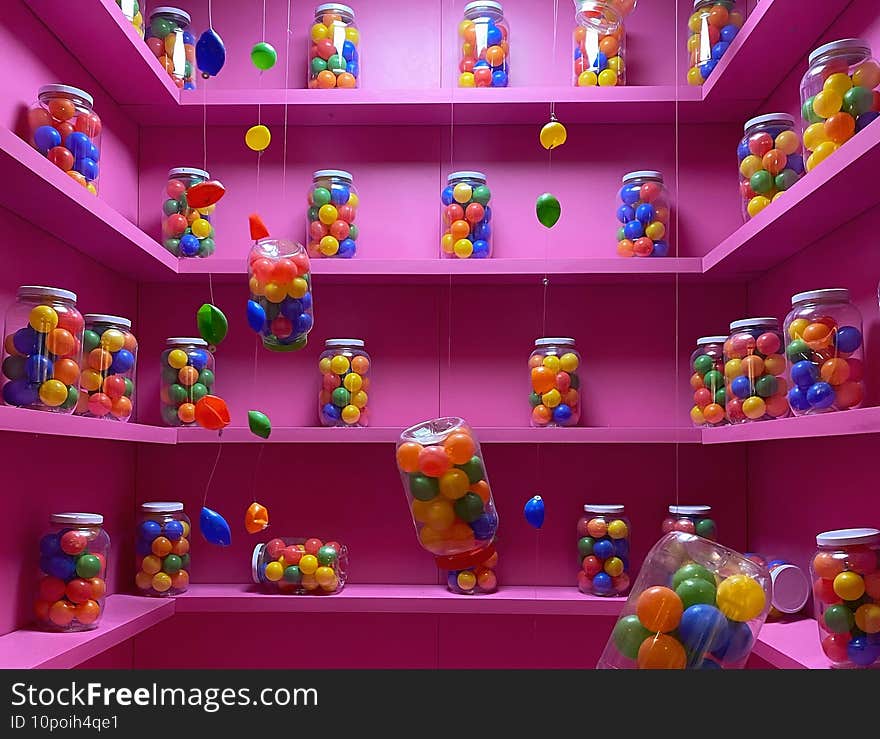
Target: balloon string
[(210, 15), (256, 469), (205, 127), (553, 57), (286, 86), (211, 287), (676, 389), (214, 468)]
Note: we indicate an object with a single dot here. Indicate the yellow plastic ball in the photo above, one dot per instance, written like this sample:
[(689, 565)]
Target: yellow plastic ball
[(607, 78), (757, 204), (464, 27), (568, 362), (353, 382), (827, 103), (454, 484), (186, 528), (143, 581), (90, 186), (815, 135), (351, 34), (695, 22), (112, 340), (275, 570), (331, 586), (588, 78), (298, 287), (693, 43), (208, 209), (838, 83), (868, 618), (466, 79), (161, 582), (466, 580), (351, 414), (552, 363), (618, 529), (324, 576), (90, 380), (308, 563), (318, 32), (615, 64), (463, 248), (257, 138), (740, 598), (201, 228), (462, 193), (733, 368), (694, 77), (340, 364), (328, 214), (613, 566), (553, 135), (778, 195), (551, 398), (447, 242), (275, 292), (822, 152), (353, 200), (309, 583), (754, 408), (750, 165), (53, 393), (328, 245), (359, 399), (151, 564), (43, 319), (849, 586), (324, 365), (255, 287), (655, 231), (177, 358), (697, 416), (787, 142), (796, 328)]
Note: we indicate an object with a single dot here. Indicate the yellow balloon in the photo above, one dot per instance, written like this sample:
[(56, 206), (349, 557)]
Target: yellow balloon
[(553, 135), (257, 138)]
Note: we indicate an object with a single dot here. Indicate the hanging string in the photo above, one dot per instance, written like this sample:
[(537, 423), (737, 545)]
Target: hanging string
[(286, 87), (214, 468), (256, 469), (676, 389)]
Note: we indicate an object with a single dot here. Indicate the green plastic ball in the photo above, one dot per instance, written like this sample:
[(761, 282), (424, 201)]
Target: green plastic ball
[(172, 564), (706, 528), (534, 399), (585, 545), (88, 565), (318, 65), (857, 100), (169, 374), (798, 350), (691, 571), (703, 364), (187, 69), (621, 234), (785, 179), (766, 386), (336, 64), (72, 398), (292, 574), (423, 487), (340, 397), (160, 27), (206, 377), (206, 247), (721, 397), (469, 507), (696, 590), (839, 619), (807, 112), (169, 207), (313, 213), (177, 394), (184, 560), (713, 379), (628, 636), (129, 387), (197, 392), (761, 181), (91, 340), (473, 469), (327, 555), (263, 55), (481, 195), (320, 196), (353, 231), (173, 245), (169, 416), (182, 203)]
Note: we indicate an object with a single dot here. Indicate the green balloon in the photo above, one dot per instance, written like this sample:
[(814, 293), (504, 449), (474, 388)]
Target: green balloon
[(469, 507), (171, 564), (173, 245), (129, 387), (259, 424), (292, 574), (423, 487), (327, 555), (706, 528), (839, 619), (703, 364), (713, 379), (206, 377), (91, 340), (628, 636), (318, 65), (336, 64), (88, 565), (857, 100), (807, 112), (197, 392), (534, 400), (548, 210), (160, 27), (473, 469), (169, 207), (213, 325), (320, 196), (798, 350), (72, 398), (691, 571), (340, 397), (696, 590), (721, 397), (177, 394), (481, 195), (585, 545), (263, 55), (761, 181), (766, 386)]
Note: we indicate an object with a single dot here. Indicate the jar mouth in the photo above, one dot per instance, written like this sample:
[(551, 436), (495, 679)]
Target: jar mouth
[(166, 506), (689, 510), (466, 175), (555, 341), (847, 537), (701, 3), (767, 321), (40, 291), (335, 8), (77, 519), (855, 45), (783, 118), (703, 340), (643, 174), (598, 14), (590, 508), (475, 9), (340, 173), (192, 171), (832, 293), (67, 91), (105, 318), (430, 432), (331, 343), (181, 16), (175, 340)]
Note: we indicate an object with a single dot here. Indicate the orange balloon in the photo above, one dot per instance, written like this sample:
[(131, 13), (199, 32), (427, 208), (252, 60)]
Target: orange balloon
[(408, 456), (661, 652), (543, 380), (460, 447), (659, 609), (256, 518), (212, 413)]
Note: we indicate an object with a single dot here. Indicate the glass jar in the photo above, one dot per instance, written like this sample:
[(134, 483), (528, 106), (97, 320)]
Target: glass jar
[(73, 572), (712, 25), (753, 371), (131, 9), (485, 46), (162, 559), (791, 586), (770, 161), (694, 606), (333, 204), (838, 96), (186, 232), (603, 550), (345, 381), (187, 376), (441, 467), (846, 595), (644, 215), (280, 308), (170, 40), (600, 43), (109, 359), (298, 566), (555, 382), (707, 381), (690, 519), (333, 50), (825, 352), (466, 216), (42, 347), (64, 129)]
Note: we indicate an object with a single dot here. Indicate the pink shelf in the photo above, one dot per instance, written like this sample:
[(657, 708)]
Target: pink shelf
[(25, 421), (843, 423), (106, 44), (792, 646), (125, 617), (36, 190)]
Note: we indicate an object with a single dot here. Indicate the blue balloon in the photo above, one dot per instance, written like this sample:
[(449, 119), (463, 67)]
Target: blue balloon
[(735, 643), (534, 511), (702, 628), (445, 196), (149, 530), (633, 230), (728, 34), (493, 34), (484, 526), (173, 530), (348, 50), (481, 249), (210, 53), (87, 167), (189, 245), (123, 361), (661, 249), (214, 528), (45, 137), (330, 412), (256, 316), (719, 49), (603, 549), (645, 213), (198, 358), (562, 414), (79, 144), (602, 583), (820, 395), (797, 399), (804, 373), (20, 393), (741, 386), (849, 338), (499, 78), (865, 118), (38, 368), (26, 340), (50, 544), (742, 151), (347, 249), (302, 324), (626, 213)]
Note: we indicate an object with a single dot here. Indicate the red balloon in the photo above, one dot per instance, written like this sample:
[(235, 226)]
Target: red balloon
[(212, 413), (205, 194)]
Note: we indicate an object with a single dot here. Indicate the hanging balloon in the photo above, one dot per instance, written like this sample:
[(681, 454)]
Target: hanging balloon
[(257, 227), (214, 528), (212, 413), (212, 324), (256, 518), (547, 209), (259, 423), (210, 53), (263, 56), (553, 134), (257, 138), (256, 316), (205, 194), (534, 511)]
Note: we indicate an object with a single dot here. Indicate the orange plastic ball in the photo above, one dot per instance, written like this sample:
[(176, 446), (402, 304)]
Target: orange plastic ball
[(460, 447), (481, 488), (752, 366), (827, 566), (597, 528), (62, 613), (818, 335), (661, 652), (849, 394), (434, 461), (774, 364), (541, 415), (101, 359), (187, 412), (67, 371), (346, 80), (495, 56), (99, 587), (88, 612), (659, 609), (326, 80), (835, 371), (714, 413), (62, 109), (188, 375), (840, 127), (543, 379), (161, 546), (609, 46), (408, 456)]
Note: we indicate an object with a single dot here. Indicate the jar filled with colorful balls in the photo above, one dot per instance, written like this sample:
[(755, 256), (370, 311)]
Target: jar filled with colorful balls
[(690, 519), (300, 566), (131, 9), (713, 25), (791, 586), (644, 215), (770, 161), (707, 382), (73, 572), (600, 42), (187, 368), (754, 369), (694, 606), (162, 559), (465, 221), (825, 352), (64, 129), (333, 203), (42, 344), (603, 550), (555, 397), (174, 45), (186, 231), (839, 96), (484, 42), (441, 467), (280, 308), (334, 60), (345, 381), (846, 595), (109, 363)]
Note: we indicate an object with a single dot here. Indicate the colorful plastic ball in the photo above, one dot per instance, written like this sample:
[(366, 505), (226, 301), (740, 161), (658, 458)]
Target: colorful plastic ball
[(740, 598), (88, 566), (603, 549), (860, 651), (659, 609), (848, 339), (820, 395), (838, 619), (263, 56), (735, 643), (661, 652), (849, 585), (702, 628), (696, 590), (692, 571), (73, 542)]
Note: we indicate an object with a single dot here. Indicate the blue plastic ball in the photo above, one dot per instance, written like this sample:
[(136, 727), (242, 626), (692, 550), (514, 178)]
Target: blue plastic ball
[(291, 308), (661, 249), (26, 340), (797, 399), (602, 583), (735, 643), (302, 324), (353, 68), (38, 368), (446, 196), (865, 118), (601, 61), (719, 49), (645, 213), (603, 549), (728, 33), (796, 163), (45, 137), (58, 565), (707, 67), (562, 414), (189, 245), (149, 530), (702, 628), (143, 547), (348, 50), (306, 301), (50, 544), (481, 63), (862, 653), (633, 230), (499, 78), (347, 249), (79, 144), (804, 373), (94, 151), (256, 316), (626, 213), (493, 34), (849, 338), (123, 361), (189, 86), (330, 412), (484, 526), (621, 547), (776, 563), (481, 249), (577, 53), (339, 194), (20, 393), (482, 231), (741, 386), (188, 38), (629, 194), (173, 530), (487, 214), (742, 151), (820, 395), (198, 358), (87, 167), (709, 664)]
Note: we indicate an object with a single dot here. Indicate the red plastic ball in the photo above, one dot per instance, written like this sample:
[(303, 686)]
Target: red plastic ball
[(313, 545), (61, 157), (88, 123), (760, 143), (73, 542), (282, 327)]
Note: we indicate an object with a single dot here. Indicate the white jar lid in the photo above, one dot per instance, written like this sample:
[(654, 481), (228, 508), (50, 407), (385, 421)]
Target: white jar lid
[(690, 510), (166, 506), (590, 508), (791, 588), (330, 343), (185, 340), (340, 173), (81, 519), (555, 341), (66, 90), (255, 561), (643, 174), (466, 175), (784, 118), (334, 7), (483, 4), (834, 293), (854, 44), (762, 321), (40, 291), (703, 340), (169, 10), (192, 171), (105, 318), (847, 537)]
